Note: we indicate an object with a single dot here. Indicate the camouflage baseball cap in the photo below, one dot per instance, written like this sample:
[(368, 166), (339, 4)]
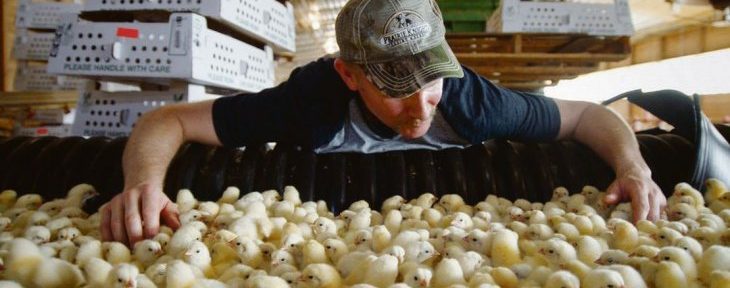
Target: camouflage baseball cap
[(399, 43)]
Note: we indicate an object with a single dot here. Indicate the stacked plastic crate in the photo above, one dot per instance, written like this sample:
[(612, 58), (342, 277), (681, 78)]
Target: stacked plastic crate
[(467, 15), (170, 51), (35, 22)]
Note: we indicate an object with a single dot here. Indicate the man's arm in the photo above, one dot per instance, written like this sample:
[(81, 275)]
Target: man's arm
[(608, 135), (153, 143)]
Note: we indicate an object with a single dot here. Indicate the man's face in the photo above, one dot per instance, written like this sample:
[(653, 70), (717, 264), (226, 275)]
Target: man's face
[(409, 116)]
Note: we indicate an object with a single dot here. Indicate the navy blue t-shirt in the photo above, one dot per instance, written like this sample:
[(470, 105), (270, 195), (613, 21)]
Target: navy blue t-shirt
[(315, 109)]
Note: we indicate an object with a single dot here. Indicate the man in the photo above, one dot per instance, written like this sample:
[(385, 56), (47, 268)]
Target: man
[(395, 85)]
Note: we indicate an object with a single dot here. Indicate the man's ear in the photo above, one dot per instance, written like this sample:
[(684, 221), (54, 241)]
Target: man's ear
[(347, 74)]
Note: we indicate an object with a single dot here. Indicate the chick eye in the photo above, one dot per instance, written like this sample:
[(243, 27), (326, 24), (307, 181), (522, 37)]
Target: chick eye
[(328, 247), (120, 280), (661, 236), (666, 258), (427, 251), (551, 251), (311, 277), (149, 249), (415, 278), (282, 260), (288, 281), (320, 224), (197, 251)]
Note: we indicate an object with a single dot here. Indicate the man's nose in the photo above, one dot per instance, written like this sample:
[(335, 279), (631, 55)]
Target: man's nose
[(418, 106)]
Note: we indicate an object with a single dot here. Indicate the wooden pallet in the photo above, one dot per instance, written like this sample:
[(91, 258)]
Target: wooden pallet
[(533, 61)]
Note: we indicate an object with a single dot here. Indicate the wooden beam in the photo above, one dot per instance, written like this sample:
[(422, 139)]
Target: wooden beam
[(31, 98), (536, 70), (565, 57)]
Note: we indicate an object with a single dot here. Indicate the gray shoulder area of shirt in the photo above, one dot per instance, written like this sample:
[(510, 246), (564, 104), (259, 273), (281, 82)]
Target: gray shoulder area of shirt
[(355, 136)]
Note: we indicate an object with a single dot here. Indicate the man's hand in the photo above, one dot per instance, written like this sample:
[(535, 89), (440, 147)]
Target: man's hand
[(135, 214), (647, 200)]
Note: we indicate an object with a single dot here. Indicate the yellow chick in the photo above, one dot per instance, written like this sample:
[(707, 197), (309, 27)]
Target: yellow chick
[(684, 189), (248, 251), (714, 258), (425, 200), (264, 281), (603, 278), (291, 194), (230, 195), (690, 245), (720, 279), (79, 194), (418, 277), (631, 277), (451, 203), (505, 250), (666, 236), (320, 276), (448, 272), (179, 274), (419, 251), (281, 257), (38, 234), (562, 279), (557, 252), (313, 252), (379, 271), (147, 251), (115, 253), (198, 256), (28, 201), (681, 257), (613, 256), (335, 249), (181, 240), (185, 200), (715, 188), (88, 250), (7, 199), (670, 275), (588, 249), (381, 238), (722, 203), (625, 236), (682, 210)]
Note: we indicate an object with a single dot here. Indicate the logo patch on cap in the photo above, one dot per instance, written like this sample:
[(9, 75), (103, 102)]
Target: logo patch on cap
[(404, 27)]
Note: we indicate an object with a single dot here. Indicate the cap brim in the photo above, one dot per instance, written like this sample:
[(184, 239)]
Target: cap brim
[(407, 75)]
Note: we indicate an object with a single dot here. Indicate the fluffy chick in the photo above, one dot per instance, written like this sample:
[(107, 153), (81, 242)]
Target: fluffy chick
[(320, 276), (448, 272), (603, 278), (562, 279), (681, 257), (670, 275)]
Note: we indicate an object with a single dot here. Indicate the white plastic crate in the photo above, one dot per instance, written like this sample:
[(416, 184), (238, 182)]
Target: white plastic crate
[(39, 15), (183, 49), (265, 20), (512, 16), (33, 77), (57, 131), (31, 45), (114, 114)]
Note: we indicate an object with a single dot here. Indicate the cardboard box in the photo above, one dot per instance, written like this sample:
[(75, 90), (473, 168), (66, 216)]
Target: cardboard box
[(33, 77), (183, 49), (40, 15), (517, 16), (114, 114), (31, 45), (268, 21)]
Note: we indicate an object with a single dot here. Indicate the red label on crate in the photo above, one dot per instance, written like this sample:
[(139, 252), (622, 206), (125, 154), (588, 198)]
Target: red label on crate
[(127, 32), (41, 131)]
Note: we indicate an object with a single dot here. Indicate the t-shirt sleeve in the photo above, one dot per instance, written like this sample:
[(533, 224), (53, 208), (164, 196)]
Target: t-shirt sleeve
[(480, 110), (307, 109)]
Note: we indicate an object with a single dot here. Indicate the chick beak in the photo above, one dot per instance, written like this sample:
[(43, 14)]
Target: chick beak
[(129, 284), (465, 239), (301, 278), (422, 283), (159, 252), (188, 253)]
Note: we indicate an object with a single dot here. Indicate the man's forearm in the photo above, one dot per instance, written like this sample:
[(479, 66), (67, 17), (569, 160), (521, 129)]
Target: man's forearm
[(154, 141), (609, 136)]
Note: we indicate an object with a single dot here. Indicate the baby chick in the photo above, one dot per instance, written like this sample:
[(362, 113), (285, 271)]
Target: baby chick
[(562, 279), (505, 250), (147, 251), (603, 278), (714, 258), (115, 252), (320, 276), (681, 257), (670, 275), (448, 272)]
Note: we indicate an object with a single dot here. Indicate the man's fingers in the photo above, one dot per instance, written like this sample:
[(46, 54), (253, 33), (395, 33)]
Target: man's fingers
[(654, 210), (613, 194), (106, 219), (640, 205), (170, 216), (117, 224), (150, 214), (132, 218)]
